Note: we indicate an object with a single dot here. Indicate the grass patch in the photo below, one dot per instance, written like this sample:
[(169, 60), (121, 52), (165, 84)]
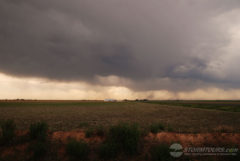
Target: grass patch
[(126, 136), (8, 131), (121, 138), (77, 150), (231, 106), (38, 131), (156, 127)]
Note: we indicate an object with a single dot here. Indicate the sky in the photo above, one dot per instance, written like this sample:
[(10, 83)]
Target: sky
[(121, 49)]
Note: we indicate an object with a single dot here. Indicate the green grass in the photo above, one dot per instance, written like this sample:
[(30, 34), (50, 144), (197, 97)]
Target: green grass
[(231, 106), (156, 127)]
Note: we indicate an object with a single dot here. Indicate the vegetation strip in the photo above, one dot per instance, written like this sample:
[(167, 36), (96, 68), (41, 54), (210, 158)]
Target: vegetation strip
[(122, 141)]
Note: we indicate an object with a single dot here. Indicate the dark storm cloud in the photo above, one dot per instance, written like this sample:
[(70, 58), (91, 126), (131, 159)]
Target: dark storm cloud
[(144, 41)]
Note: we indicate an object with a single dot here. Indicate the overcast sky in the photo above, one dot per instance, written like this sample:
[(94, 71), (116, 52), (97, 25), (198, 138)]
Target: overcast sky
[(88, 49)]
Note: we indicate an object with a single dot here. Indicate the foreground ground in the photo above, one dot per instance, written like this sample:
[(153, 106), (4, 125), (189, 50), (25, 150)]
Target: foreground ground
[(95, 130), (151, 147), (70, 115)]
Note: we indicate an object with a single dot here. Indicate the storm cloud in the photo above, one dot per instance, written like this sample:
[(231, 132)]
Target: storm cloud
[(144, 45)]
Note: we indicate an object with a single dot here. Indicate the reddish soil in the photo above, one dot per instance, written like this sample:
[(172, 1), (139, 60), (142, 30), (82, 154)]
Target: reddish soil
[(21, 132), (20, 149), (165, 137), (212, 139), (64, 136)]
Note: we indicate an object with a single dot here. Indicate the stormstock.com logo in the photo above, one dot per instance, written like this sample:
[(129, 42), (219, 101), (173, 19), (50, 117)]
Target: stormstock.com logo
[(176, 150)]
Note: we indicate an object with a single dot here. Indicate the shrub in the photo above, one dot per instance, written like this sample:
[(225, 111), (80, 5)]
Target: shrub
[(8, 130), (121, 138), (156, 127), (160, 152), (38, 131), (126, 137), (39, 150), (89, 132), (77, 150)]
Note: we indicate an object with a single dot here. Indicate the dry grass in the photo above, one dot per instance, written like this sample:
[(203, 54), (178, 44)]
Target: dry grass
[(69, 115)]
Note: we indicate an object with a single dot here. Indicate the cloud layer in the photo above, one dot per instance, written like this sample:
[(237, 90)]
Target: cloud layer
[(32, 88), (175, 45)]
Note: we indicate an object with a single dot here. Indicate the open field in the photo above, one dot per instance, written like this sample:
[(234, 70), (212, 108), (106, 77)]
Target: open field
[(69, 115), (233, 106)]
